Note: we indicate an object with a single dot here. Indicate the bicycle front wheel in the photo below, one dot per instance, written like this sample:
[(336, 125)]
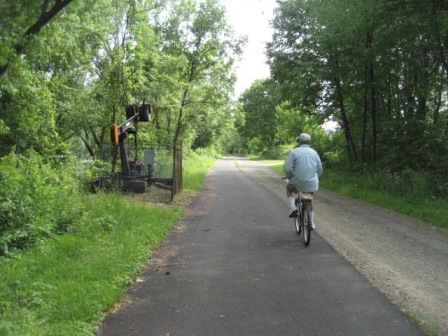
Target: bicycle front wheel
[(306, 224)]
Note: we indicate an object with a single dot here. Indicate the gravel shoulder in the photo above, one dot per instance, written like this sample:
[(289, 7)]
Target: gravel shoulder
[(404, 258)]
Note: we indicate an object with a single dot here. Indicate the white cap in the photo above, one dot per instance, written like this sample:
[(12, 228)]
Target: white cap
[(304, 137)]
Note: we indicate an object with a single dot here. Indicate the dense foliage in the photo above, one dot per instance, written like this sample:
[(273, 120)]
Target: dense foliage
[(66, 82), (65, 284), (69, 68), (36, 200), (268, 120), (377, 68)]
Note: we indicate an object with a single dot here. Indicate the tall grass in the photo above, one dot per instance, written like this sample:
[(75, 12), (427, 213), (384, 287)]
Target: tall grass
[(195, 168), (417, 203), (64, 285), (37, 198)]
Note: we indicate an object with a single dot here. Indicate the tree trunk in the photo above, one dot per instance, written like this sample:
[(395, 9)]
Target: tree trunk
[(373, 113), (351, 149), (365, 117), (179, 118), (88, 147)]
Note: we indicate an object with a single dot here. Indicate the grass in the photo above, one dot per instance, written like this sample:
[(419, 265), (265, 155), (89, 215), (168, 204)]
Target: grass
[(431, 210), (274, 163), (64, 285), (424, 207), (195, 170), (431, 330)]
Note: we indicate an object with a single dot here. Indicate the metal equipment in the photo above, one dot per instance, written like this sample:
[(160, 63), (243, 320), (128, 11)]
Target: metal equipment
[(132, 171)]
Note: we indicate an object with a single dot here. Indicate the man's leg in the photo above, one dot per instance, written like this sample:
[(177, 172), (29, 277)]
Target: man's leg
[(311, 207)]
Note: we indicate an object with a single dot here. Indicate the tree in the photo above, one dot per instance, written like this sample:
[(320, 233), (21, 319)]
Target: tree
[(77, 73), (291, 122), (200, 50), (376, 67), (258, 104), (48, 11)]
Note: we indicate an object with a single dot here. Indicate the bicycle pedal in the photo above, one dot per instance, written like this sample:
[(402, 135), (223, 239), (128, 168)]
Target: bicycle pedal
[(294, 214)]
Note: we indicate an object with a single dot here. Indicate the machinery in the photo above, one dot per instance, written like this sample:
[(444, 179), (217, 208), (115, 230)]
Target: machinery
[(133, 177)]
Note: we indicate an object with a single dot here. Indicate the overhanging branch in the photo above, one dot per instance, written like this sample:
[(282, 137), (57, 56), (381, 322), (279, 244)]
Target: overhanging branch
[(47, 14)]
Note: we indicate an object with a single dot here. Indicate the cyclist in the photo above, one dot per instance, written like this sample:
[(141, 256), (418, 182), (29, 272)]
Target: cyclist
[(303, 169)]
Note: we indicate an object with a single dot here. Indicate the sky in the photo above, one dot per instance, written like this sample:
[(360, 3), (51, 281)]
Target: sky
[(251, 18)]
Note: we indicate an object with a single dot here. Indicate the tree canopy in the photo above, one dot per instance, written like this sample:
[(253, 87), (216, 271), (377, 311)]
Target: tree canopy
[(378, 68), (69, 74)]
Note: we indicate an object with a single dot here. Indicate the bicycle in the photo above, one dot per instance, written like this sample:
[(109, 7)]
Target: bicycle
[(302, 222)]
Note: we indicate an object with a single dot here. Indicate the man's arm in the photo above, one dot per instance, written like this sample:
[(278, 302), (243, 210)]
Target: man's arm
[(319, 165), (289, 165)]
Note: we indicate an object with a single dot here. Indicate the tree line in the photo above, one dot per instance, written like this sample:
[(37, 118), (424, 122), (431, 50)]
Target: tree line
[(378, 68), (69, 68)]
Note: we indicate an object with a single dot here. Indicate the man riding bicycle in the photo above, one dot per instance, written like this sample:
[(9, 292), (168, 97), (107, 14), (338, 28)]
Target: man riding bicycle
[(303, 169)]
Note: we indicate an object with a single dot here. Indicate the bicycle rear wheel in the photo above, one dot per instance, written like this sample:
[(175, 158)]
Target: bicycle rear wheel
[(297, 225), (306, 224)]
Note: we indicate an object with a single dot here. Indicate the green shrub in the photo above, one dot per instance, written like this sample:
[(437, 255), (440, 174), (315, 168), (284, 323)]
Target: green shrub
[(36, 199), (276, 153), (97, 168), (205, 152), (408, 193)]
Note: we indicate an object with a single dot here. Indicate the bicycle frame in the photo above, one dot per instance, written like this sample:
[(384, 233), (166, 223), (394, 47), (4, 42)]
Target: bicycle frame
[(302, 222)]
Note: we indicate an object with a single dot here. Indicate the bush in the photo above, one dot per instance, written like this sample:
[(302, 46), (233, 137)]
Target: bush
[(277, 153), (36, 199), (408, 192)]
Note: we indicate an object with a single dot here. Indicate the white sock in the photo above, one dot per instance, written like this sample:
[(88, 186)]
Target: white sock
[(312, 216), (292, 201)]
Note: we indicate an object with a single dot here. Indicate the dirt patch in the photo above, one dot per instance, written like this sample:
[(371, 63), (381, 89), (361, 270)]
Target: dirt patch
[(404, 258), (152, 195)]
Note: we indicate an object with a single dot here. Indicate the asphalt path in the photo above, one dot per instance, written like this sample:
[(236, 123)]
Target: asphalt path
[(235, 266)]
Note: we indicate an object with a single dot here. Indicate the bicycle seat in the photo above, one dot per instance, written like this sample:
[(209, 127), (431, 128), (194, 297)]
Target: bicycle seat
[(306, 197)]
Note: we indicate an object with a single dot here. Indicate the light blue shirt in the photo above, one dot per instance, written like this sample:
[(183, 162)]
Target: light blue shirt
[(303, 168)]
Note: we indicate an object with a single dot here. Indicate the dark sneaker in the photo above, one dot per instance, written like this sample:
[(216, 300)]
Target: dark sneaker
[(293, 212)]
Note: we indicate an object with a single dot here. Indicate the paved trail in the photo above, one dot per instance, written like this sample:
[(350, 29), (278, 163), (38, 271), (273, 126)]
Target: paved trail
[(403, 257), (234, 266)]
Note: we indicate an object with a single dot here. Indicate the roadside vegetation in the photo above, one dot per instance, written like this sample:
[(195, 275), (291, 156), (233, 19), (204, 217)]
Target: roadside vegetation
[(389, 191), (66, 277), (376, 115)]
